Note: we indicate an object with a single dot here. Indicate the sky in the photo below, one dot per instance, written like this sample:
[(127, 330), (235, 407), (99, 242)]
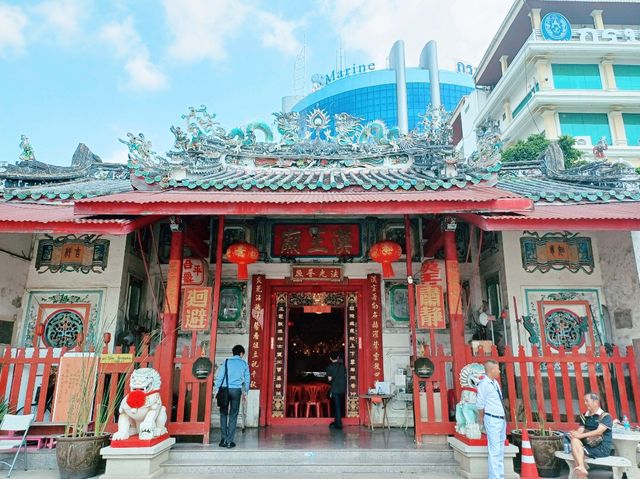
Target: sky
[(90, 71)]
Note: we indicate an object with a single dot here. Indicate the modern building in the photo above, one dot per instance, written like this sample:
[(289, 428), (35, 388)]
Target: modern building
[(563, 68), (372, 94)]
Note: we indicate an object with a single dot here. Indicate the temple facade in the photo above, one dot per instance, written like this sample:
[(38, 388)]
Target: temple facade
[(331, 235)]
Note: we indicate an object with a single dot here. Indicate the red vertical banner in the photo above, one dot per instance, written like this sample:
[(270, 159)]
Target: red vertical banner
[(430, 296), (256, 329), (374, 283)]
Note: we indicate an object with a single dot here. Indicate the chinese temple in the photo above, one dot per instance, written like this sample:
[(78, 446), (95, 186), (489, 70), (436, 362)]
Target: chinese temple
[(325, 235)]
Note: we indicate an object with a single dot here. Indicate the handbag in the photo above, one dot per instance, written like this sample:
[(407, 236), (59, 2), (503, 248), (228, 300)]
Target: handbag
[(222, 397)]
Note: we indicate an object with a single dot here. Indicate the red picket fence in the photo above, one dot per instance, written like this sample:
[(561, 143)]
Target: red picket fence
[(541, 390), (28, 377)]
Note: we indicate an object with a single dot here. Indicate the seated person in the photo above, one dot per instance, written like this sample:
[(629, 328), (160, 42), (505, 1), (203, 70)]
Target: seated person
[(594, 438)]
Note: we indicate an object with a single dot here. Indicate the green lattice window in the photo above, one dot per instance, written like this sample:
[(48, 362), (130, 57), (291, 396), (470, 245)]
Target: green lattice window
[(595, 125), (632, 128)]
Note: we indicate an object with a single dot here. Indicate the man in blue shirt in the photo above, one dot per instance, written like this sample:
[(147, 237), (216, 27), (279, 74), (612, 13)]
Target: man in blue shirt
[(238, 380), (491, 414)]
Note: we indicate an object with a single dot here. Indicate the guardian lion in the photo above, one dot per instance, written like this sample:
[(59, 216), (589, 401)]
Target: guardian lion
[(141, 411)]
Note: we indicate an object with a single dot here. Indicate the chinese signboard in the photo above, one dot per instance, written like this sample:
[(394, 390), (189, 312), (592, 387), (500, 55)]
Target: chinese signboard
[(430, 306), (316, 240), (316, 273), (556, 251), (194, 272), (116, 358), (375, 327), (256, 328), (430, 296), (196, 308), (84, 253), (353, 399), (280, 343)]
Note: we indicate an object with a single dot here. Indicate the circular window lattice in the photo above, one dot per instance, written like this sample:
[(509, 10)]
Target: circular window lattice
[(563, 329), (62, 329)]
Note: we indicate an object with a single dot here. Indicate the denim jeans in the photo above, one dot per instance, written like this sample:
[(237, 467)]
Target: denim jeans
[(338, 404), (229, 416)]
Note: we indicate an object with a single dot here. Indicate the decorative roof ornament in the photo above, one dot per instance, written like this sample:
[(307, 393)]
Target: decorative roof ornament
[(489, 145), (436, 126), (600, 148), (27, 150), (313, 151)]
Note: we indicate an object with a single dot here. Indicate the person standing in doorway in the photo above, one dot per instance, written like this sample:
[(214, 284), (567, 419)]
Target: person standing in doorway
[(337, 377), (238, 377), (491, 414)]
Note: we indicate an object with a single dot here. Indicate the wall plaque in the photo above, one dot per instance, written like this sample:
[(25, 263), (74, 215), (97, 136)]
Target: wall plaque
[(84, 253), (316, 240), (300, 273), (556, 251)]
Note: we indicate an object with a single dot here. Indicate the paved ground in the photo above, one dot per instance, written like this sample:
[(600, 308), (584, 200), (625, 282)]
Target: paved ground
[(20, 474)]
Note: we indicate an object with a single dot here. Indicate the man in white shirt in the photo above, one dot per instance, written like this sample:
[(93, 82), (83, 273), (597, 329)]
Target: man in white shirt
[(491, 414)]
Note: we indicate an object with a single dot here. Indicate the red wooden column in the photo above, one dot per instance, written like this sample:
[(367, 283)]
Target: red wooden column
[(170, 315), (216, 290), (411, 292), (456, 319)]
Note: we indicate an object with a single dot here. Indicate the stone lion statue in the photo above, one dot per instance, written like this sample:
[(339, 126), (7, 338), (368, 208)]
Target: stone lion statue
[(466, 411), (141, 411)]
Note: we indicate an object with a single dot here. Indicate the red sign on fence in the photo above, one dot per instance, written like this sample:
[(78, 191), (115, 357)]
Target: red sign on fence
[(196, 308), (194, 272)]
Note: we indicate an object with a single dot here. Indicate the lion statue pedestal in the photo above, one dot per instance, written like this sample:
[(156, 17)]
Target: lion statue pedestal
[(141, 443)]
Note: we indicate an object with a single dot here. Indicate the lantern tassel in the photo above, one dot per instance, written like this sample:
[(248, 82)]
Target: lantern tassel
[(387, 270), (243, 272)]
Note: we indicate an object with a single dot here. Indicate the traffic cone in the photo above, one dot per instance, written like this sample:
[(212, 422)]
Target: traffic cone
[(528, 468)]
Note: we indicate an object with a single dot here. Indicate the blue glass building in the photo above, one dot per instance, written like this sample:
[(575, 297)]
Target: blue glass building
[(372, 95)]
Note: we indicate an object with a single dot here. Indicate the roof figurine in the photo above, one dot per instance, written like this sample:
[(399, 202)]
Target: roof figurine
[(27, 150)]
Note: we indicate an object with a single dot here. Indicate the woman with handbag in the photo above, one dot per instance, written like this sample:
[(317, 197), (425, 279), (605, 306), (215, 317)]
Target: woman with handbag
[(594, 438), (232, 380)]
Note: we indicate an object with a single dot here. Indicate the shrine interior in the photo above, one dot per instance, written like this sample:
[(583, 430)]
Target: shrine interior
[(311, 337)]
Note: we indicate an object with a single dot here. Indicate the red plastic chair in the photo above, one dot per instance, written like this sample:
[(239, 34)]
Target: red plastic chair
[(324, 398), (313, 399), (294, 393)]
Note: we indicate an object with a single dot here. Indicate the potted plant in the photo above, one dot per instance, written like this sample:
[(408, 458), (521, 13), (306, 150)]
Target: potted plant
[(78, 449), (544, 444)]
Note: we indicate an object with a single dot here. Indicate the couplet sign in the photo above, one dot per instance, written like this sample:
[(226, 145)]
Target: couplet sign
[(77, 375), (430, 296)]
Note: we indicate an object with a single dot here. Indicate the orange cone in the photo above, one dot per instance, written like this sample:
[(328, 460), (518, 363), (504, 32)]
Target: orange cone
[(528, 464)]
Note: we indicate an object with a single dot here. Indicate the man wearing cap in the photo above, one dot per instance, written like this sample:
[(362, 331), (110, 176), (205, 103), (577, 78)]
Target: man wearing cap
[(491, 415)]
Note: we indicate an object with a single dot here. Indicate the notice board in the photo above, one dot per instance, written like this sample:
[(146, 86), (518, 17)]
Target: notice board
[(76, 382)]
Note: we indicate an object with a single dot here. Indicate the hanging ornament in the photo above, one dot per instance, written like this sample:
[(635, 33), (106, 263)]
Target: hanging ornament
[(242, 254), (386, 252)]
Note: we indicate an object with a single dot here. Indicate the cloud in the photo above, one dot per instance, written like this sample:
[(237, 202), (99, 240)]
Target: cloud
[(127, 45), (12, 24), (463, 29), (279, 33), (145, 74), (64, 18), (202, 29)]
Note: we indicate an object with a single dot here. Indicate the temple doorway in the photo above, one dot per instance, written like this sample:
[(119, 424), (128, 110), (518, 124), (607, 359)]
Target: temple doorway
[(306, 323), (313, 332)]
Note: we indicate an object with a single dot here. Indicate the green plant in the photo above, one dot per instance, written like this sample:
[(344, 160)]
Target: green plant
[(531, 149), (4, 408)]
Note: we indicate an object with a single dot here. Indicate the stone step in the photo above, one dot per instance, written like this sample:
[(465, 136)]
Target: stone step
[(277, 461)]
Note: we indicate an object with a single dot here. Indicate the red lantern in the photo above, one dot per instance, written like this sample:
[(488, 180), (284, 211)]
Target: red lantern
[(386, 252), (242, 254)]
